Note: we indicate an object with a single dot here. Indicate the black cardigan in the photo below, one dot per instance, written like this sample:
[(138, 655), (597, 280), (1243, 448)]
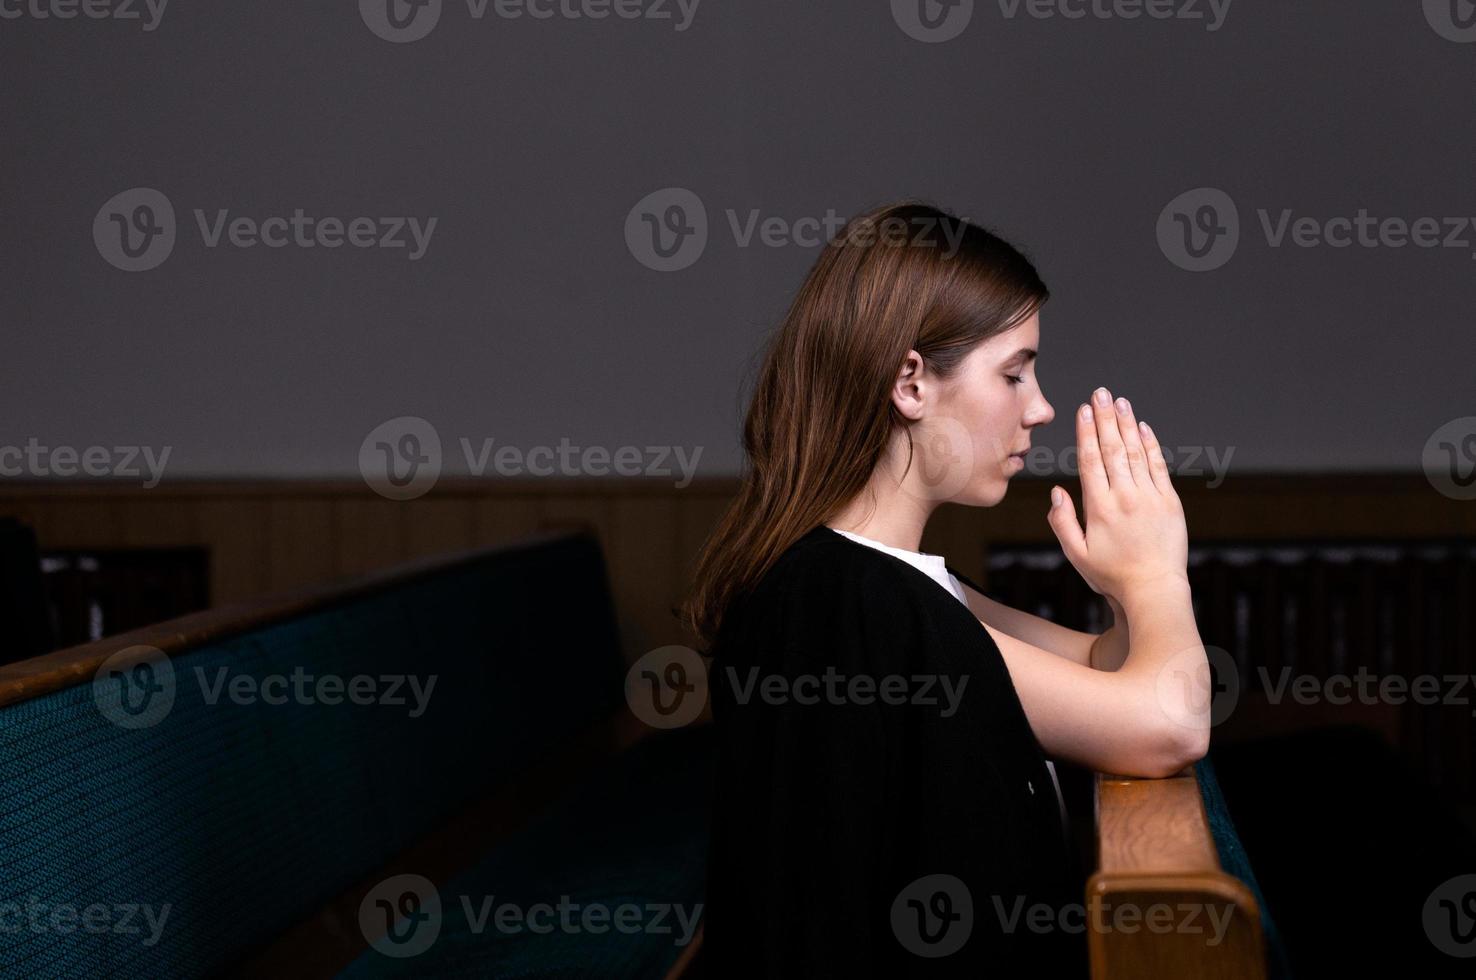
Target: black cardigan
[(852, 833)]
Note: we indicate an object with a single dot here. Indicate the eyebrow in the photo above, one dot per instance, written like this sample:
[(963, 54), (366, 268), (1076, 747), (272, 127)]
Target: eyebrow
[(1024, 354)]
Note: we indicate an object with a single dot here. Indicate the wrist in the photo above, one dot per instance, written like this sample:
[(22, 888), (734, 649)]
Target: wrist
[(1165, 584)]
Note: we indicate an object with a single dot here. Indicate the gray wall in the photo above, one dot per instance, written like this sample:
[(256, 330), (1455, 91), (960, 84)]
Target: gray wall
[(529, 319)]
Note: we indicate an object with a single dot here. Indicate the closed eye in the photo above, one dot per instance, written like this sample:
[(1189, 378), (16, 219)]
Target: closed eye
[(1016, 379)]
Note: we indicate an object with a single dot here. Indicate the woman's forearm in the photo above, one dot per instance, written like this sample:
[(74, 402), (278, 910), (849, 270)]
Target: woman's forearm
[(1110, 648), (1168, 657)]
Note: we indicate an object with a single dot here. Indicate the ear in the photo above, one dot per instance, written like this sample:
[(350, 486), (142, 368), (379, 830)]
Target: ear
[(912, 386)]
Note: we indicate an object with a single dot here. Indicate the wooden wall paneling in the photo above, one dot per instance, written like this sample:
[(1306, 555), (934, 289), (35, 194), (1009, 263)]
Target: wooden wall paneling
[(438, 524), (497, 518), (146, 521), (643, 570), (573, 510), (369, 533), (78, 522), (697, 513), (237, 532), (301, 536)]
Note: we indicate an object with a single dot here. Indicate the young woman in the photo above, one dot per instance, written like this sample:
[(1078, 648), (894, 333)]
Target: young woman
[(884, 807)]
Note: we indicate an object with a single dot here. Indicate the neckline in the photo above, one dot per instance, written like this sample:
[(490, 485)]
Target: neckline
[(827, 530), (882, 544)]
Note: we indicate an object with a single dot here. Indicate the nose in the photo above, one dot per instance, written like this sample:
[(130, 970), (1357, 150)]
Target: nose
[(1041, 412)]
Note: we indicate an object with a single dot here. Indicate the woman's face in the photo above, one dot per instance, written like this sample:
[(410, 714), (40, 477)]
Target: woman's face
[(976, 426)]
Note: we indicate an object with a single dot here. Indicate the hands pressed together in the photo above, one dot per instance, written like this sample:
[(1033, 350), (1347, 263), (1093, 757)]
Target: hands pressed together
[(1135, 534)]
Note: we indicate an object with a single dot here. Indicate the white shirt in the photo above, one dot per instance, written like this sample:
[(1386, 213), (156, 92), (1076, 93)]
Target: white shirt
[(935, 567)]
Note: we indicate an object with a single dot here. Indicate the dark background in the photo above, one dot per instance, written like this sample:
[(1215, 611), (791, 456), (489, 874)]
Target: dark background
[(529, 320)]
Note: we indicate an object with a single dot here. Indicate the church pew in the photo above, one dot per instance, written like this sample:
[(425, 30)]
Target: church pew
[(255, 831), (1173, 894)]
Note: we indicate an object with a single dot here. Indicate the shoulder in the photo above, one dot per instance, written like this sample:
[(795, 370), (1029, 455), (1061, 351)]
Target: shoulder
[(823, 568), (827, 593)]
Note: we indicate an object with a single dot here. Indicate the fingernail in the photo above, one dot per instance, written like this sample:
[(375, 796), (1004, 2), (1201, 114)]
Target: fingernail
[(1104, 397), (1144, 426), (1086, 413), (1123, 406), (1055, 497)]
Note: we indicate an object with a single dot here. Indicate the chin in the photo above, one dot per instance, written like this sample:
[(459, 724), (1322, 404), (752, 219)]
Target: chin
[(984, 493)]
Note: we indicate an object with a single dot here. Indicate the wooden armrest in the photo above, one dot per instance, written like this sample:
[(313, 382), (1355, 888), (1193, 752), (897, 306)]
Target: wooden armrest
[(1159, 904)]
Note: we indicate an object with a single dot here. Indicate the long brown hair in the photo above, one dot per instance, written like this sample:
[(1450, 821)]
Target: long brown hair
[(905, 276)]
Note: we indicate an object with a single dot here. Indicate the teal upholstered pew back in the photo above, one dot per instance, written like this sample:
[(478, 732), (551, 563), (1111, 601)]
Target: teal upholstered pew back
[(174, 847)]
